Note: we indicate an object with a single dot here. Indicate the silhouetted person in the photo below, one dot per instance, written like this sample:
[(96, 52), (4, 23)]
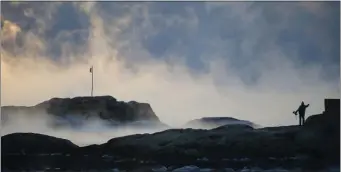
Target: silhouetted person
[(301, 112)]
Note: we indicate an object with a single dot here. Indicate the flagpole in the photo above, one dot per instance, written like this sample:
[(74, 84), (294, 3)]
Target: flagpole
[(92, 80)]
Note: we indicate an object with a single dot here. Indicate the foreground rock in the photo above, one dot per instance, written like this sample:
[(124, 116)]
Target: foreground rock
[(31, 143), (312, 147), (80, 110)]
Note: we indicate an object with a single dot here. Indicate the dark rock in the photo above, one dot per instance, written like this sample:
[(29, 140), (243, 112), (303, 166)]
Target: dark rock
[(312, 146), (214, 122), (321, 133), (31, 143), (235, 127), (332, 106), (329, 119)]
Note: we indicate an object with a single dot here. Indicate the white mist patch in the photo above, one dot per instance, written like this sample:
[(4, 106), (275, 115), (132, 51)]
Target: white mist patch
[(92, 132)]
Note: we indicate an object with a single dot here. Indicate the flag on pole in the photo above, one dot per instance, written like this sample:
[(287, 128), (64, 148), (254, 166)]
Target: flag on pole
[(91, 69)]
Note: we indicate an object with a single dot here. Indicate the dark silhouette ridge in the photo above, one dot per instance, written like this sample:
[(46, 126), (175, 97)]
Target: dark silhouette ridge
[(310, 147)]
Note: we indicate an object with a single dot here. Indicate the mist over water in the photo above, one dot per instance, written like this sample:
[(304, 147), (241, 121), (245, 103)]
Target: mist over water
[(91, 132), (126, 68)]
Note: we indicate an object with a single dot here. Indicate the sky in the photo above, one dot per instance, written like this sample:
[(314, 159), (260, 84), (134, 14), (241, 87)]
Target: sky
[(254, 61)]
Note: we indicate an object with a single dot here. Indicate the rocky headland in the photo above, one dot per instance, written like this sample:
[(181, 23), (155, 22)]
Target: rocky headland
[(75, 112)]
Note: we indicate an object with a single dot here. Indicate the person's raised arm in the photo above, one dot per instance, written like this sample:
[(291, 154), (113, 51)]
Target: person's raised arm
[(307, 105)]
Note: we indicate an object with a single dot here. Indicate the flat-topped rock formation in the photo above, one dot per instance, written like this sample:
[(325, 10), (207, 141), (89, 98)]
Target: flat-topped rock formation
[(78, 110), (330, 118), (214, 122), (332, 106)]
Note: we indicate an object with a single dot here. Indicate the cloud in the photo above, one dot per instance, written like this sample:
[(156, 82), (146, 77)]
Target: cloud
[(247, 73), (9, 31)]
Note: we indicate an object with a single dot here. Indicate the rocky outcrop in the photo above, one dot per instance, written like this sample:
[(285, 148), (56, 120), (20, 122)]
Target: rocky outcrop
[(233, 146), (329, 119), (313, 146), (332, 106), (322, 131), (78, 110), (32, 143), (214, 122)]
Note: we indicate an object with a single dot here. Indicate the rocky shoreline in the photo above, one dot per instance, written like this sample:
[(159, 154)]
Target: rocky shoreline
[(171, 150), (68, 162), (312, 147)]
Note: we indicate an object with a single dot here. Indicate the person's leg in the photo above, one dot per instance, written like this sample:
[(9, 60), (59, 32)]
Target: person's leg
[(299, 117), (303, 120)]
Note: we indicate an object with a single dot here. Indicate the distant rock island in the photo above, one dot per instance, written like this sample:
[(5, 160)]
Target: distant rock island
[(79, 110), (214, 122), (312, 147)]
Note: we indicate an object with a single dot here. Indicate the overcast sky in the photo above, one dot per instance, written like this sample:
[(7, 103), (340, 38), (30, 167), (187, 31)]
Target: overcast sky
[(249, 60)]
